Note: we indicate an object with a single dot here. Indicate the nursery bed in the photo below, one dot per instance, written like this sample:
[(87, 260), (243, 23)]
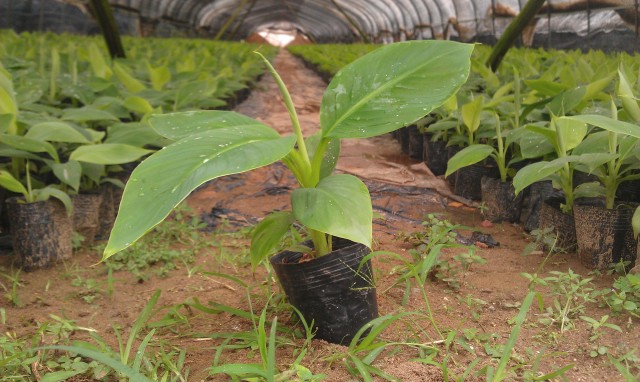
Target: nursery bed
[(403, 193)]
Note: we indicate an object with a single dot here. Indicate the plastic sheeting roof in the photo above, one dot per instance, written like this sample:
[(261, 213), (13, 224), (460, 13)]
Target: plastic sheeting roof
[(382, 20)]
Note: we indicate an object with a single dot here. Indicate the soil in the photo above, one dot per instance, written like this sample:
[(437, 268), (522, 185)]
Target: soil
[(403, 192)]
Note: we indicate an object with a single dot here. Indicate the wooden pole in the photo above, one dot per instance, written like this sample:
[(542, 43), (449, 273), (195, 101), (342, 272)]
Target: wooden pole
[(512, 32), (103, 13)]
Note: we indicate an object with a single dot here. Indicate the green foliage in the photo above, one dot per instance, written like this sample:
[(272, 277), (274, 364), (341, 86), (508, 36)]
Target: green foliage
[(226, 143), (571, 295), (63, 109), (625, 295)]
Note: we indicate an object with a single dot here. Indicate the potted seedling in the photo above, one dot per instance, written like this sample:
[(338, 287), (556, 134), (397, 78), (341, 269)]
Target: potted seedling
[(554, 141), (497, 194), (387, 89), (603, 230), (40, 222)]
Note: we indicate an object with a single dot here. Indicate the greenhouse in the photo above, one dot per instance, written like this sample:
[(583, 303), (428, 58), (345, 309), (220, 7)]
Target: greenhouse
[(326, 190)]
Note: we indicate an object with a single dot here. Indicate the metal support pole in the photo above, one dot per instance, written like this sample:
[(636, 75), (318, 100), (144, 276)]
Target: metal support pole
[(512, 32), (103, 13)]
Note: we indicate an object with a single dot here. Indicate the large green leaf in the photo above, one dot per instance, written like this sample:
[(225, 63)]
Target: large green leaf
[(535, 172), (635, 222), (48, 192), (88, 114), (546, 88), (589, 190), (537, 141), (268, 233), (26, 144), (108, 153), (629, 102), (10, 152), (135, 134), (591, 161), (55, 132), (137, 105), (570, 132), (468, 156), (129, 81), (68, 173), (607, 123), (94, 172), (340, 206), (164, 179), (471, 114), (566, 101), (160, 76), (176, 126), (7, 181), (597, 142), (392, 87), (98, 63)]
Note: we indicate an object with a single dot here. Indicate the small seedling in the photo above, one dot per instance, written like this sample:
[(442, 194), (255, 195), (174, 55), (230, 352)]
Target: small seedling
[(11, 291), (596, 326)]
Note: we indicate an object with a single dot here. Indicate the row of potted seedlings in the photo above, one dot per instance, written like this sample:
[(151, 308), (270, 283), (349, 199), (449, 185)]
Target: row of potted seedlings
[(575, 154), (72, 124)]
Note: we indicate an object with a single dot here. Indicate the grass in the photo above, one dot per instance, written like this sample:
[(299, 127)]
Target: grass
[(272, 341)]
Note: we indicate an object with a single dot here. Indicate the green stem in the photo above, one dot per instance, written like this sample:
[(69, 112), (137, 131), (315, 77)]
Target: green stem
[(293, 115), (29, 197), (428, 308), (319, 242), (567, 171), (316, 163), (612, 172)]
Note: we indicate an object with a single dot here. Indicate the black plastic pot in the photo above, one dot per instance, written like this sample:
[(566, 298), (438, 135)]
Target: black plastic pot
[(468, 180), (535, 195), (111, 196), (434, 155), (604, 236), (629, 191), (86, 216), (415, 142), (40, 232), (551, 216), (334, 291), (451, 151), (500, 200), (403, 138)]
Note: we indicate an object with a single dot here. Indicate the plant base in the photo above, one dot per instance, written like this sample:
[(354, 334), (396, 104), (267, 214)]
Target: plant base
[(86, 216), (434, 155), (501, 200), (334, 291), (110, 201), (604, 236), (415, 142), (537, 193), (551, 216), (468, 180), (40, 232)]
